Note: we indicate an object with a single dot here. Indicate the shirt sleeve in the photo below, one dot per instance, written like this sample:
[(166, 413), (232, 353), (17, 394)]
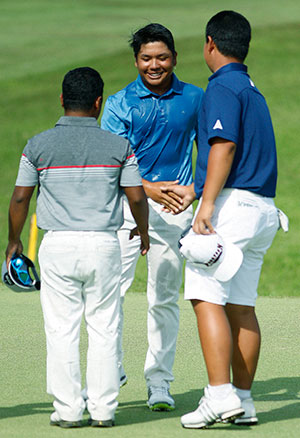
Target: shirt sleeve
[(112, 119), (223, 113), (27, 174), (130, 174)]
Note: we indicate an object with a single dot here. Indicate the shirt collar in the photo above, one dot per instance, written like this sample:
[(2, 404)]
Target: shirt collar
[(233, 66), (143, 91), (77, 121)]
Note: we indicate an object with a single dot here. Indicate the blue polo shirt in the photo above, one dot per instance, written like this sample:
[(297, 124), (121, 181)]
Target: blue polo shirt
[(235, 110), (160, 128)]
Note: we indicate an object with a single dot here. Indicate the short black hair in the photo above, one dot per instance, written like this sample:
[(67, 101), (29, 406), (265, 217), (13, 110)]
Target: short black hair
[(81, 87), (231, 32), (149, 34)]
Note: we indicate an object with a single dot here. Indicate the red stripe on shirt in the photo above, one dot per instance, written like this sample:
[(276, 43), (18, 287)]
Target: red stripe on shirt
[(78, 167)]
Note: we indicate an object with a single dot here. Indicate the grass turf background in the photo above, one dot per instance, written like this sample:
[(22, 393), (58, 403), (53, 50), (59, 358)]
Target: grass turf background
[(40, 40), (25, 407)]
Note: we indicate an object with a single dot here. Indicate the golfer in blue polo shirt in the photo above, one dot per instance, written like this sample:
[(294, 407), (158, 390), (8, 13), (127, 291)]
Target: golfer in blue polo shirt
[(159, 115), (235, 179)]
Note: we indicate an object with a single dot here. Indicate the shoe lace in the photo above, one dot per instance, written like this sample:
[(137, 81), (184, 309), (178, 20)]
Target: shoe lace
[(160, 389)]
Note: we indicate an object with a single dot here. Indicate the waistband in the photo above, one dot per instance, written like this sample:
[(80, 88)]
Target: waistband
[(227, 192), (72, 233)]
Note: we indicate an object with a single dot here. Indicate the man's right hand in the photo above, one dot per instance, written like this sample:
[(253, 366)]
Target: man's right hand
[(168, 199), (186, 194)]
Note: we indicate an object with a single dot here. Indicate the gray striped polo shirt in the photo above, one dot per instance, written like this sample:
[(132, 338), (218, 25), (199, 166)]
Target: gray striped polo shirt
[(80, 170)]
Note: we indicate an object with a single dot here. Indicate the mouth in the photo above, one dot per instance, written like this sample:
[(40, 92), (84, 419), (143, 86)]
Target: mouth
[(154, 76)]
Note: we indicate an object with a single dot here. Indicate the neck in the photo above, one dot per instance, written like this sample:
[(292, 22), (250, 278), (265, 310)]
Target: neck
[(79, 113), (222, 61), (159, 89)]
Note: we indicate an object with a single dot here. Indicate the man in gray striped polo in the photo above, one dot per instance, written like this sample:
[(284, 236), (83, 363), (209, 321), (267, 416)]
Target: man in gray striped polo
[(81, 172)]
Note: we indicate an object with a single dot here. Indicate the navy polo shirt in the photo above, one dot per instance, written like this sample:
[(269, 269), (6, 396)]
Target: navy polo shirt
[(161, 129), (235, 110)]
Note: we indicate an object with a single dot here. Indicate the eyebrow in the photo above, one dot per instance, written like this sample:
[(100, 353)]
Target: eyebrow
[(160, 54)]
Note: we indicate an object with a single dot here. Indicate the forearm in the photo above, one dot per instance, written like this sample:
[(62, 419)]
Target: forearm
[(218, 168), (139, 206), (147, 187), (18, 211)]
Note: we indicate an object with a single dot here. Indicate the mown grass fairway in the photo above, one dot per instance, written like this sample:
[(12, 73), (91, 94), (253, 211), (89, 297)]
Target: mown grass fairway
[(25, 407), (40, 40)]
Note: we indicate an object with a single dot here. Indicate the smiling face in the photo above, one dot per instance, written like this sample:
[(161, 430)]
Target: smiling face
[(155, 63)]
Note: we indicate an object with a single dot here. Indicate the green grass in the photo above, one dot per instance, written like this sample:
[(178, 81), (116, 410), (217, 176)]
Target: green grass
[(25, 407), (41, 40)]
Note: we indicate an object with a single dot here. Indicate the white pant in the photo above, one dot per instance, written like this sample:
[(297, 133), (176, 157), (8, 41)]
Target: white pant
[(164, 281), (80, 273), (250, 221)]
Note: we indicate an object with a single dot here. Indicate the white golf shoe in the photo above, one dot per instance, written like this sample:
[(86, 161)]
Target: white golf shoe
[(159, 399), (211, 410), (249, 418)]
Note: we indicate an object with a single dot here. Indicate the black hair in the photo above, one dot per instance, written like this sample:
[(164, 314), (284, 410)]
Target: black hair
[(231, 32), (149, 34), (81, 87)]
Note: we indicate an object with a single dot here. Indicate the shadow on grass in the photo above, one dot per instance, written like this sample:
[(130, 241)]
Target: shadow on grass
[(24, 410), (277, 389), (281, 389), (274, 390), (134, 412)]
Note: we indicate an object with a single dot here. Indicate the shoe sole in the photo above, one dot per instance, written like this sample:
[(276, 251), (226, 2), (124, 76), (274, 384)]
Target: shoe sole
[(161, 406), (232, 415), (66, 424), (227, 417), (101, 423), (250, 421)]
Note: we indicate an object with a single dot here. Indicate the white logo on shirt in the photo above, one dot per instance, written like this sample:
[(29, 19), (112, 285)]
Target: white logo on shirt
[(218, 125), (251, 83)]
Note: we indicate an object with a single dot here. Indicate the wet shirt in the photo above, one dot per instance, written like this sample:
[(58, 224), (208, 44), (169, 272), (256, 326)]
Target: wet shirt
[(161, 129)]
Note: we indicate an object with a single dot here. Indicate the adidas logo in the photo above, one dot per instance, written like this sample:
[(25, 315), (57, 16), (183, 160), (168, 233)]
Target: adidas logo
[(218, 125)]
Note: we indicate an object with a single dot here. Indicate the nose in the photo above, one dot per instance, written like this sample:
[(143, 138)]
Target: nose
[(154, 63)]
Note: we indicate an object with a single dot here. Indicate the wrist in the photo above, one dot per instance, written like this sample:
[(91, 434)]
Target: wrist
[(207, 202), (13, 240)]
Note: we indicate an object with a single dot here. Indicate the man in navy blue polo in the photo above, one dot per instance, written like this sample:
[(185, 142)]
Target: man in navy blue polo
[(235, 179), (159, 115)]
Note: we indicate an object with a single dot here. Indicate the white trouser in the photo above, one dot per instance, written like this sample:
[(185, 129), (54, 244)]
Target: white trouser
[(80, 273), (164, 280), (250, 221)]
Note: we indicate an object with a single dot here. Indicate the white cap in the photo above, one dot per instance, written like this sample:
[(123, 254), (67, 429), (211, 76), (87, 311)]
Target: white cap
[(220, 259)]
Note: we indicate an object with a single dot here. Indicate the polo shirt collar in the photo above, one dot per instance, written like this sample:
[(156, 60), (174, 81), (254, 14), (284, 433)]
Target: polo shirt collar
[(143, 91), (233, 66), (77, 121)]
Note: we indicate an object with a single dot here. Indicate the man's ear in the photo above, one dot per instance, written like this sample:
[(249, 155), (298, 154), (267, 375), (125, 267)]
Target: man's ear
[(61, 100), (98, 102), (175, 59), (210, 44)]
